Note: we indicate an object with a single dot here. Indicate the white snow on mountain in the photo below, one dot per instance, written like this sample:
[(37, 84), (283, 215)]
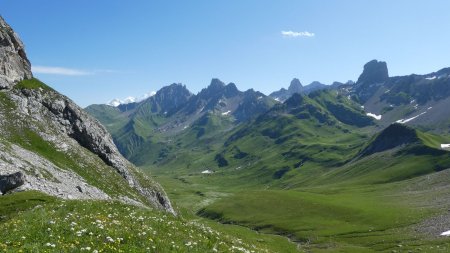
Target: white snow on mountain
[(116, 102), (377, 117)]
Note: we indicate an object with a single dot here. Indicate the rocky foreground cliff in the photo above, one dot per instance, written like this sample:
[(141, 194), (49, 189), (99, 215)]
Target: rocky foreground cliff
[(53, 146)]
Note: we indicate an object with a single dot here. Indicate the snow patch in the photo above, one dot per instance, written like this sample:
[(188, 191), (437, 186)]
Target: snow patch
[(260, 97), (377, 117), (445, 146), (446, 233), (431, 78), (207, 172), (226, 113), (403, 121)]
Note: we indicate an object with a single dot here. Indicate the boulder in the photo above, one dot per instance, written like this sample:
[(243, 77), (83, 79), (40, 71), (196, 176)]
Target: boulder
[(11, 181)]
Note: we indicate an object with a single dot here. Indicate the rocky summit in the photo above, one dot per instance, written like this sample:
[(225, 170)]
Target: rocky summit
[(55, 146)]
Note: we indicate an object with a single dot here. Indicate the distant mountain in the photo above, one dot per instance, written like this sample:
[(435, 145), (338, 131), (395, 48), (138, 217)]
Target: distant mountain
[(296, 87), (174, 111), (283, 94)]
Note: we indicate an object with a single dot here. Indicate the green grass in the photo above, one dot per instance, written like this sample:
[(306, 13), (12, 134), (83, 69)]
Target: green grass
[(45, 224), (330, 220), (11, 205), (32, 84)]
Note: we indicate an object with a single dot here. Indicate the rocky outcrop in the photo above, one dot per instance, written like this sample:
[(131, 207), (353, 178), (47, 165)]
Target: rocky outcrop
[(74, 122), (295, 86), (374, 75), (374, 72), (11, 182), (55, 120), (14, 65)]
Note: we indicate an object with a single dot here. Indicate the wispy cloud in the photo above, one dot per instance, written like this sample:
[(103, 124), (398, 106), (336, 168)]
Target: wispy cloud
[(292, 34), (59, 71)]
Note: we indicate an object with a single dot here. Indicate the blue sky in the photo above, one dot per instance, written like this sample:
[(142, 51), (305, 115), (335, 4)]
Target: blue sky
[(94, 51)]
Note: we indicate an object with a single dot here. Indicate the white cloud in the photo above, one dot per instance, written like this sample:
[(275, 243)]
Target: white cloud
[(59, 71), (292, 34)]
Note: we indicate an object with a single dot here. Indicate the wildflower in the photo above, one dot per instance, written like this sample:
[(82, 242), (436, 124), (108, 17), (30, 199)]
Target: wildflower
[(109, 239), (50, 245)]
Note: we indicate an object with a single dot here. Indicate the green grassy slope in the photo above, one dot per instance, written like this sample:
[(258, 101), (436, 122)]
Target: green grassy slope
[(33, 222)]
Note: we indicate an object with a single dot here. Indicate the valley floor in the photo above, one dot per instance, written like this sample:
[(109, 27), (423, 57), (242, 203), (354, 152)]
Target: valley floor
[(404, 216)]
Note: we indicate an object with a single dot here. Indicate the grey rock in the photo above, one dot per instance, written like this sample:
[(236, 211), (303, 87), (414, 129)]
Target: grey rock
[(374, 75), (14, 65), (11, 181), (295, 86)]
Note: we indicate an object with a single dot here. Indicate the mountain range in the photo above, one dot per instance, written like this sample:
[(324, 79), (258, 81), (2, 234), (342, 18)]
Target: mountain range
[(236, 154), (349, 167)]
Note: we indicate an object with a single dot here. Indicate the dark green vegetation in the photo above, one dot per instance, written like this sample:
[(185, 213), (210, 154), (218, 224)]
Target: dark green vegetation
[(34, 222)]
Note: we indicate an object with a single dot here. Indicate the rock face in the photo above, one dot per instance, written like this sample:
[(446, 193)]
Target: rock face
[(295, 86), (374, 75), (35, 120), (14, 65), (11, 182), (169, 98), (374, 72)]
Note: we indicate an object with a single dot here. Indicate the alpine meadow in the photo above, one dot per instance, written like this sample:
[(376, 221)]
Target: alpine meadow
[(202, 165)]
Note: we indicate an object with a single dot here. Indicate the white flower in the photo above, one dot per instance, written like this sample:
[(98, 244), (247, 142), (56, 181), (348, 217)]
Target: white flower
[(109, 239), (50, 245)]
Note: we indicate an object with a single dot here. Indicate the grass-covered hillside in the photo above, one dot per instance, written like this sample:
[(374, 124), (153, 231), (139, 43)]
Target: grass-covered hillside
[(34, 222)]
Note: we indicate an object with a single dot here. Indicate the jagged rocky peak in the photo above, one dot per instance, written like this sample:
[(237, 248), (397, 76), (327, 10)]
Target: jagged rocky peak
[(216, 84), (374, 72), (170, 98), (231, 90), (295, 86), (14, 64), (173, 91)]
